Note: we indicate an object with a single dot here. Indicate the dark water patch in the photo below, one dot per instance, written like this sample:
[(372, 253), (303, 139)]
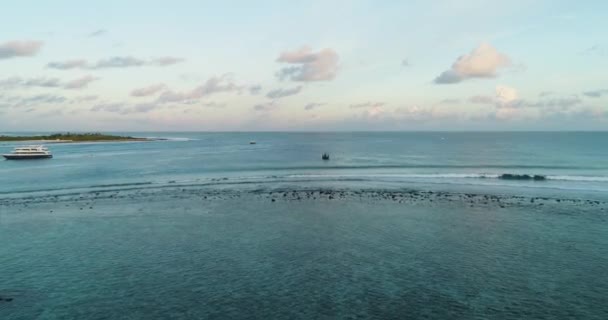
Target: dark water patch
[(511, 176)]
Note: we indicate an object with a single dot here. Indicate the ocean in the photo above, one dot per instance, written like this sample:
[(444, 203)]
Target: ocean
[(395, 225)]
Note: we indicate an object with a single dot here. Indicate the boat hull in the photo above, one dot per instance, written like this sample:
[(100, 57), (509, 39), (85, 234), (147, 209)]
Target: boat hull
[(26, 157)]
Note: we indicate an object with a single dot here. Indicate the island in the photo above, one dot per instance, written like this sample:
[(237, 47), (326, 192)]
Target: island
[(73, 138)]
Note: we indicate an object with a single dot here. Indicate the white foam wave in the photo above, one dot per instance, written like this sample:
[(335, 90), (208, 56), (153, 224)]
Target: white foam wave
[(451, 176)]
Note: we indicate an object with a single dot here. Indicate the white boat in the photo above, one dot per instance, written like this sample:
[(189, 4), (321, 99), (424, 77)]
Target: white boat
[(29, 152)]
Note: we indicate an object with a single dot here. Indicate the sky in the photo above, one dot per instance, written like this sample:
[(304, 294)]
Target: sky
[(303, 65)]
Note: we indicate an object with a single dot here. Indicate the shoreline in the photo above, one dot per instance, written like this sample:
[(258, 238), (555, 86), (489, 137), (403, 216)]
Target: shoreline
[(84, 141)]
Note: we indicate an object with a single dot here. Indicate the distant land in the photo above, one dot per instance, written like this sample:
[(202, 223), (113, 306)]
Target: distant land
[(73, 137)]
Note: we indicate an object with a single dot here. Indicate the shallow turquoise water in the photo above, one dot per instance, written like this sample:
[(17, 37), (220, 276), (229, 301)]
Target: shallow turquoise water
[(173, 253)]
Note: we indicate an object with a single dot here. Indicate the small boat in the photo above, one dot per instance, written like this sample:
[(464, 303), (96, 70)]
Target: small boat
[(29, 152), (325, 156), (252, 142)]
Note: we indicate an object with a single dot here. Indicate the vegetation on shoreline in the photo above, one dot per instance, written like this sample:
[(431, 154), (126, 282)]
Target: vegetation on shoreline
[(72, 137)]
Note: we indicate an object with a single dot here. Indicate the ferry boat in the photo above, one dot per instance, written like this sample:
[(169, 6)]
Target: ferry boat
[(29, 152)]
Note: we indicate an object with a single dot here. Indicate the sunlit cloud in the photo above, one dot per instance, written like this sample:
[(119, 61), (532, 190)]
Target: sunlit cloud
[(213, 85), (306, 65), (483, 62)]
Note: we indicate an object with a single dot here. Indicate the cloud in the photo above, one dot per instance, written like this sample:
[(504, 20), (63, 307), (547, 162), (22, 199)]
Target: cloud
[(80, 83), (214, 105), (595, 50), (144, 107), (372, 110), (108, 107), (264, 106), (37, 100), (51, 113), (480, 99), (86, 98), (10, 82), (313, 105), (308, 65), (367, 105), (97, 33), (420, 114), (31, 82), (114, 62), (405, 63), (505, 96), (596, 93), (449, 101), (562, 103), (46, 82), (213, 85), (14, 49), (148, 91), (42, 82), (166, 61), (255, 89), (281, 93), (483, 62), (68, 64), (119, 62)]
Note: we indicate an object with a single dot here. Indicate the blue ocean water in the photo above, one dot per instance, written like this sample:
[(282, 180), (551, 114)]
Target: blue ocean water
[(571, 160), (394, 226)]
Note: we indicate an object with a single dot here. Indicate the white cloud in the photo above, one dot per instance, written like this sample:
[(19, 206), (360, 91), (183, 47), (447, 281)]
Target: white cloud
[(109, 107), (14, 49), (265, 106), (97, 33), (80, 83), (42, 82), (506, 95), (281, 93), (483, 62), (213, 85), (166, 61), (68, 64), (481, 99), (313, 105), (367, 105), (149, 90), (596, 93), (46, 82), (255, 89), (114, 62), (119, 62), (308, 65)]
